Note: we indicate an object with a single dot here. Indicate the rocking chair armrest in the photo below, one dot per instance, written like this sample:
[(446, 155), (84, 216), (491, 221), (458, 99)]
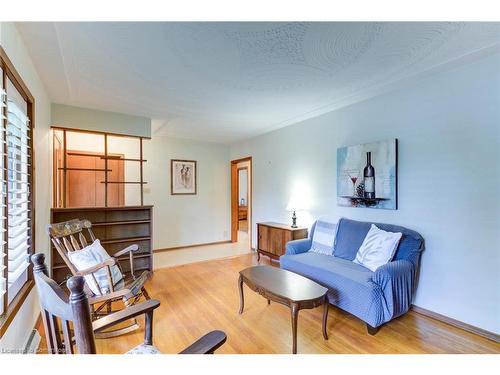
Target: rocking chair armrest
[(108, 262), (207, 344), (125, 314), (128, 249)]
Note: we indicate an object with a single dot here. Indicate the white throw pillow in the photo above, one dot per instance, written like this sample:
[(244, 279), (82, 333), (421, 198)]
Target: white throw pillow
[(378, 248), (90, 256)]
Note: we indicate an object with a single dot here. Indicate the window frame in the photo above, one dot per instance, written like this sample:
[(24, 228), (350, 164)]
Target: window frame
[(11, 309)]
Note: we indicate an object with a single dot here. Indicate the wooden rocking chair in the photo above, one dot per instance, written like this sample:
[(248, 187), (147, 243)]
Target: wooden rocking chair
[(72, 315), (69, 236)]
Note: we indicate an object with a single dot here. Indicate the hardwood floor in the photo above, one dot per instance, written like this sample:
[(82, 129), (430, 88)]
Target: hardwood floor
[(200, 297)]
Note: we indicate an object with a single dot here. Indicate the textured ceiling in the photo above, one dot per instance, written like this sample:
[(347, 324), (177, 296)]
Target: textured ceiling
[(228, 81)]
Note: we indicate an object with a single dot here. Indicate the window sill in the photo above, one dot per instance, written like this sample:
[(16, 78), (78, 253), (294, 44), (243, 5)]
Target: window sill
[(15, 306)]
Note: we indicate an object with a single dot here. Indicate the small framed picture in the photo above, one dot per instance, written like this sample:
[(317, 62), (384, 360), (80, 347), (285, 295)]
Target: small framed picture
[(182, 177)]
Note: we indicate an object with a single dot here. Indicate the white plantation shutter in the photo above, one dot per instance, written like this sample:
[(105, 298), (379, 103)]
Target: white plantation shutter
[(18, 192), (3, 231)]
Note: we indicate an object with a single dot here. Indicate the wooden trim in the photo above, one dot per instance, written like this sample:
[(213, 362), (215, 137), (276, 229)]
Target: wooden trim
[(125, 208), (457, 323), (16, 79), (190, 246), (141, 171), (172, 176), (14, 307), (106, 168), (97, 132), (65, 173), (234, 198), (10, 72)]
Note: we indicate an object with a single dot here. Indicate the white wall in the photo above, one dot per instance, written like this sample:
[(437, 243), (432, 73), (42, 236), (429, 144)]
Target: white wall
[(11, 42), (449, 176), (243, 185), (188, 219)]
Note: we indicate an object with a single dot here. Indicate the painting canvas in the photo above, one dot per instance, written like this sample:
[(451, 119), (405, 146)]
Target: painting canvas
[(182, 177), (367, 175)]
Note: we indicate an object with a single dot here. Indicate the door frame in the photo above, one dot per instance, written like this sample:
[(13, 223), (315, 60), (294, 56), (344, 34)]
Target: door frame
[(235, 198)]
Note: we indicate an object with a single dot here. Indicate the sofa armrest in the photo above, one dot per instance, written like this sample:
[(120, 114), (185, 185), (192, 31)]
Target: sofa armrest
[(298, 246), (396, 280)]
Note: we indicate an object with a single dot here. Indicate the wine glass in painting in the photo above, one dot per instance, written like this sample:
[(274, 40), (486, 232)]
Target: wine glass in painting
[(353, 175)]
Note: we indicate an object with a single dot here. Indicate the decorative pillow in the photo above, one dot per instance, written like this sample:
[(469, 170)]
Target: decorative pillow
[(144, 349), (90, 256), (323, 237), (378, 248)]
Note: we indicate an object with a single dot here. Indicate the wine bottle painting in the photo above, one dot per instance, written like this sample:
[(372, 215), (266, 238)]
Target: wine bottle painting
[(367, 175)]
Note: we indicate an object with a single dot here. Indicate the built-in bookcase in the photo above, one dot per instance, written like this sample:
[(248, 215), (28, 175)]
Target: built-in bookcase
[(117, 228)]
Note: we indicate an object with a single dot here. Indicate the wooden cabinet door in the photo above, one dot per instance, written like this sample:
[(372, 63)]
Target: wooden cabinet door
[(276, 241), (81, 184), (263, 240), (84, 183)]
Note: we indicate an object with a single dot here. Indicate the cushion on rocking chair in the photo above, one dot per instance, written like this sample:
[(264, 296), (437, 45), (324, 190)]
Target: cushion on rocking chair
[(144, 349), (91, 256)]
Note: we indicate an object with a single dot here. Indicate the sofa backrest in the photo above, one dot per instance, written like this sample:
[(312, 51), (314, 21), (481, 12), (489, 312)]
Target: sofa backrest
[(351, 233)]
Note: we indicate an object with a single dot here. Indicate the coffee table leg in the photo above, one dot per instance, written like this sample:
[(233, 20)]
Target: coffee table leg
[(295, 313), (242, 298), (325, 317)]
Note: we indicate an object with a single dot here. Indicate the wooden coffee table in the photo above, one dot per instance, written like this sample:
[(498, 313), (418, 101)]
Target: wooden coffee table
[(287, 288)]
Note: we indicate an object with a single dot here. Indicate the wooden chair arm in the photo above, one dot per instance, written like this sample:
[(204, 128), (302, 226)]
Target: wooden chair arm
[(208, 344), (108, 262), (125, 314), (128, 249)]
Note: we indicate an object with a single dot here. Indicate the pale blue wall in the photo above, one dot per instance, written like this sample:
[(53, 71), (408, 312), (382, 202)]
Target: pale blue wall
[(68, 116), (449, 176)]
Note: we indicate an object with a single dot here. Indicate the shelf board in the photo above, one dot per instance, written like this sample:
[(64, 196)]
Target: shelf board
[(85, 169), (101, 208), (124, 182), (123, 240), (121, 222), (124, 159)]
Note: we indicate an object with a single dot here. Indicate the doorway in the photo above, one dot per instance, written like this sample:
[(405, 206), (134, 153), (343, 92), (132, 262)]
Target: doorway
[(241, 200)]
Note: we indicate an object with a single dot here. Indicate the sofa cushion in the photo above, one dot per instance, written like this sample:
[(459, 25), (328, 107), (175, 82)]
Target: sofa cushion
[(351, 234), (326, 266), (350, 285)]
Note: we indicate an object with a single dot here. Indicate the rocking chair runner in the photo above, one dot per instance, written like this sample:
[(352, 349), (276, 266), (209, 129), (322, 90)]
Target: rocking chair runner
[(72, 315), (69, 236)]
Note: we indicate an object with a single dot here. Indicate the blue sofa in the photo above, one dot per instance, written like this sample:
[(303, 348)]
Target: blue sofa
[(374, 297)]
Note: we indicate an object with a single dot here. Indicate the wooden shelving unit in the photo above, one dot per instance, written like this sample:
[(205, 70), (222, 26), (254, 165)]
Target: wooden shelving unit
[(116, 227)]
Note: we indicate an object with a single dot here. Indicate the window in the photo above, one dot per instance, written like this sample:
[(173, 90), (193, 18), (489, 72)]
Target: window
[(16, 218)]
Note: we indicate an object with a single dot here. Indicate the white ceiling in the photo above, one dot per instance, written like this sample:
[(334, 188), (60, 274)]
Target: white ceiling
[(228, 81)]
